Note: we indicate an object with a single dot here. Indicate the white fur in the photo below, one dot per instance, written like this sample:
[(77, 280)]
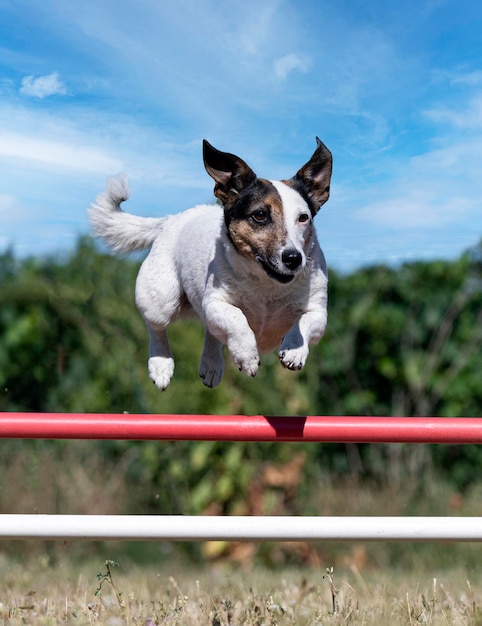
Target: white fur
[(121, 231), (194, 268), (294, 206)]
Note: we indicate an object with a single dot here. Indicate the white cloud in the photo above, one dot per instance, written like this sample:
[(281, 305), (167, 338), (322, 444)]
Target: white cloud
[(442, 187), (468, 78), (468, 117), (419, 208), (85, 142), (43, 86), (289, 63), (431, 191), (62, 155)]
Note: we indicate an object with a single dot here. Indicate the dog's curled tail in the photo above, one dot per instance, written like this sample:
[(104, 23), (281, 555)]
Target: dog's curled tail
[(121, 231)]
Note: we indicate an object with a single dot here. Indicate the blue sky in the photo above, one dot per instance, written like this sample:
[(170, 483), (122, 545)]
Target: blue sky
[(394, 88)]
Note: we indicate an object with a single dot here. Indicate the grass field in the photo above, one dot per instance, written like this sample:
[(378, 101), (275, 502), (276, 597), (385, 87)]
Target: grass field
[(44, 592)]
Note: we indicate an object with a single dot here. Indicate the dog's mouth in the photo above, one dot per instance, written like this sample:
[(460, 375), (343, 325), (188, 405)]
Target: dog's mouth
[(274, 274)]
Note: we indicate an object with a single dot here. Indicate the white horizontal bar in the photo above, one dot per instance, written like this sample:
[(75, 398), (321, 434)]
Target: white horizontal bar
[(240, 528)]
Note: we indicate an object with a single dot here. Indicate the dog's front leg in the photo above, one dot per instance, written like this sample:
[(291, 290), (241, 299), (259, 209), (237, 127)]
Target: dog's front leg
[(229, 325), (308, 329)]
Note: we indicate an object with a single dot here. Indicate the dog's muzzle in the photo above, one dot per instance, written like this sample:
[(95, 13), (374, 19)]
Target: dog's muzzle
[(292, 260)]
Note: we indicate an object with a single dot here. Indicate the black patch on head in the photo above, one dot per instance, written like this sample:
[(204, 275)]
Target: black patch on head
[(256, 196)]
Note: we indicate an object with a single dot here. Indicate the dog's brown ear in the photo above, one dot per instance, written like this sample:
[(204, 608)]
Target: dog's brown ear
[(315, 176), (230, 173)]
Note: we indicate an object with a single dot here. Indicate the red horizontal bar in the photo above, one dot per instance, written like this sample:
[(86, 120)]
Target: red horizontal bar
[(240, 428)]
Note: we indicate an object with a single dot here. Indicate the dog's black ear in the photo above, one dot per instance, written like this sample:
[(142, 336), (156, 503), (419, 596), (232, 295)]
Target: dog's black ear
[(315, 176), (230, 173)]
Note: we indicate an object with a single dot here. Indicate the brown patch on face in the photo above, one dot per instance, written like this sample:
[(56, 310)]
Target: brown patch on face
[(256, 224)]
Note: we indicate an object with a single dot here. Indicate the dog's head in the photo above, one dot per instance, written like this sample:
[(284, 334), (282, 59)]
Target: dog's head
[(270, 221)]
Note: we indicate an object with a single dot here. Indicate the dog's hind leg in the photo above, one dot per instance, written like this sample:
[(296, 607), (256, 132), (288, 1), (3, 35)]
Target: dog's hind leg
[(211, 367), (161, 362)]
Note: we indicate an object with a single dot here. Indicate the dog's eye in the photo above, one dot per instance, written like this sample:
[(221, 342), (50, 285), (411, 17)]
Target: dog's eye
[(304, 218), (260, 216)]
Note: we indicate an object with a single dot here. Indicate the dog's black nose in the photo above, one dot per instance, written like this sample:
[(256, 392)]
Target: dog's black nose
[(291, 258)]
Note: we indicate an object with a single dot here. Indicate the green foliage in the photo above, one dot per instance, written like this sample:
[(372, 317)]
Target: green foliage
[(403, 342)]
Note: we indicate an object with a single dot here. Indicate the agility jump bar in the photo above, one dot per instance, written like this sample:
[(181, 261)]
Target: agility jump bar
[(460, 430), (239, 528)]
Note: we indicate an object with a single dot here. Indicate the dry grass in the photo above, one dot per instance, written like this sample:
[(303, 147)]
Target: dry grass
[(37, 592)]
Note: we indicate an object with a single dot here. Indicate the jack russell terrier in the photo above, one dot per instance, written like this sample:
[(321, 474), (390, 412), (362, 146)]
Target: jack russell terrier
[(251, 269)]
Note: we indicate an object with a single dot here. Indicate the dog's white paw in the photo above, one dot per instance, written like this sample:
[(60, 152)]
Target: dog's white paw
[(211, 370), (248, 363), (293, 358), (161, 370)]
